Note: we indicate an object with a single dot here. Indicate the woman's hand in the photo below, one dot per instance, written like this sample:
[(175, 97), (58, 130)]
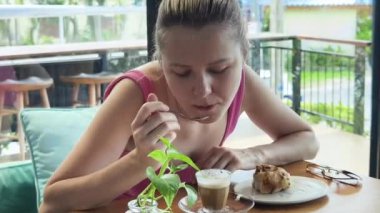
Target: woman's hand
[(222, 158), (153, 120)]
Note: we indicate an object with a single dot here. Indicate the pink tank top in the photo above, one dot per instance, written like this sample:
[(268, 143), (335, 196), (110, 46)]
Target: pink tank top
[(146, 86)]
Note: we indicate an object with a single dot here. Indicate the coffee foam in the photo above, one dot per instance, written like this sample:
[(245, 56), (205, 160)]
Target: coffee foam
[(213, 178)]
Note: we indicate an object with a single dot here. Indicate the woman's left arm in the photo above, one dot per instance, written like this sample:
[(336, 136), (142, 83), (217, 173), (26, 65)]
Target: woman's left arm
[(293, 138)]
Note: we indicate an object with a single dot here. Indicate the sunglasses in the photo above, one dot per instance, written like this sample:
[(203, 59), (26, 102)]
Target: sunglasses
[(329, 173)]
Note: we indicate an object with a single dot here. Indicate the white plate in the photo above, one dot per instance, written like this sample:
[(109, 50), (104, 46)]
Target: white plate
[(241, 175), (302, 189)]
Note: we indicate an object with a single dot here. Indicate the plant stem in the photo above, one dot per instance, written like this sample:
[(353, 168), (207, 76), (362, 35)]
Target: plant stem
[(146, 189)]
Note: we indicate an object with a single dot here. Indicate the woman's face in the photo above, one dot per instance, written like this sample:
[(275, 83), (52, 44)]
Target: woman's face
[(203, 69)]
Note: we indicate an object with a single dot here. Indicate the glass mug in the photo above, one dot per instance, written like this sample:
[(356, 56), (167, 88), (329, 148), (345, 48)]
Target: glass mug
[(213, 189)]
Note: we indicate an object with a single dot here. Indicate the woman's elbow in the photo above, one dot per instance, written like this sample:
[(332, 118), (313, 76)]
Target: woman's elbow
[(49, 207), (56, 201), (45, 208), (50, 203), (312, 145)]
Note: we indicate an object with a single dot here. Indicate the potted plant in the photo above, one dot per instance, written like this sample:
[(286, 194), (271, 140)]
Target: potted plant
[(167, 182)]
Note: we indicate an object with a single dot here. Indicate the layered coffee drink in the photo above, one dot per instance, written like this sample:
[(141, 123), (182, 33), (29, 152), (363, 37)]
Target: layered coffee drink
[(213, 188)]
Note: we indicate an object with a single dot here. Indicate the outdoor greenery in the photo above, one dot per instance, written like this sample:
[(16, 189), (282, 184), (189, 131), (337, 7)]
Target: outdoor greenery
[(340, 112), (318, 67), (314, 60), (265, 26), (4, 32), (336, 111), (364, 29), (33, 31), (328, 56), (309, 78), (364, 25), (132, 60), (3, 146)]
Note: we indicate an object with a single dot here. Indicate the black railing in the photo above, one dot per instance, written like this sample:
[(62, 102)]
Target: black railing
[(322, 85)]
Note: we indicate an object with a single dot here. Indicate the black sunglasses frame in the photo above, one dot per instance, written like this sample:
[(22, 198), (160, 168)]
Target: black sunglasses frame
[(325, 171)]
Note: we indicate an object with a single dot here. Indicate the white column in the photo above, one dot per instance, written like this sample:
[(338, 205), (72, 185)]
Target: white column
[(276, 26), (98, 28), (256, 16), (61, 30)]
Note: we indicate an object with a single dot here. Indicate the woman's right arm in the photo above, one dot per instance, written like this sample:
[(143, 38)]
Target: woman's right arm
[(93, 175)]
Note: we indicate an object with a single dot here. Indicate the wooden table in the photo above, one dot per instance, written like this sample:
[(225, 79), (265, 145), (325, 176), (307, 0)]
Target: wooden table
[(341, 198)]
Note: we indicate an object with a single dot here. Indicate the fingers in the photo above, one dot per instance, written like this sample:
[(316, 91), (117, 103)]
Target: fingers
[(157, 125), (226, 158), (152, 97), (209, 160), (162, 129), (146, 110), (153, 120), (221, 158), (158, 118), (171, 136)]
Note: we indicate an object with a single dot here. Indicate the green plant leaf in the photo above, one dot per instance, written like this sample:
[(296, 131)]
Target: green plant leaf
[(179, 167), (164, 167), (158, 155), (175, 155), (168, 184), (150, 173), (173, 181), (192, 195), (166, 141), (159, 183)]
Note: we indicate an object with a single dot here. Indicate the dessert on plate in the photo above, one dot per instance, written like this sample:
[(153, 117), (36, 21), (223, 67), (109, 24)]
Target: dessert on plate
[(270, 179)]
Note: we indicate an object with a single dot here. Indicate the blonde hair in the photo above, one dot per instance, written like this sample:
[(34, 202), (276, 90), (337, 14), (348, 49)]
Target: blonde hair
[(197, 14)]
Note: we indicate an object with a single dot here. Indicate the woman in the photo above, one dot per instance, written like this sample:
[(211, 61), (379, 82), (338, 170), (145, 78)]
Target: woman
[(193, 94)]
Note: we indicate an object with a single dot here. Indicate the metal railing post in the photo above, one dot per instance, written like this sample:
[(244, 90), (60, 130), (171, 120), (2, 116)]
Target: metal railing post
[(151, 17), (359, 86), (103, 63), (296, 75)]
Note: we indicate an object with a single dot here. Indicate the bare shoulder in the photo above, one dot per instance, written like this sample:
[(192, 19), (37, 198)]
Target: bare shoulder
[(151, 69), (267, 110), (127, 92)]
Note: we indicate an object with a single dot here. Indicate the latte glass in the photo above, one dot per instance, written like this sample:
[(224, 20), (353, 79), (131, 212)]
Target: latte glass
[(213, 189)]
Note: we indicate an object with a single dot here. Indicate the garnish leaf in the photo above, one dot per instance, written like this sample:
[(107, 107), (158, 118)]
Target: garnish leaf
[(168, 184), (166, 141), (158, 155), (180, 167), (161, 185), (175, 155), (173, 182), (191, 195)]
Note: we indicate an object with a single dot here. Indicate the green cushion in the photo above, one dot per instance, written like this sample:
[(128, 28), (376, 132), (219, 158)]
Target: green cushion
[(17, 189), (51, 135)]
